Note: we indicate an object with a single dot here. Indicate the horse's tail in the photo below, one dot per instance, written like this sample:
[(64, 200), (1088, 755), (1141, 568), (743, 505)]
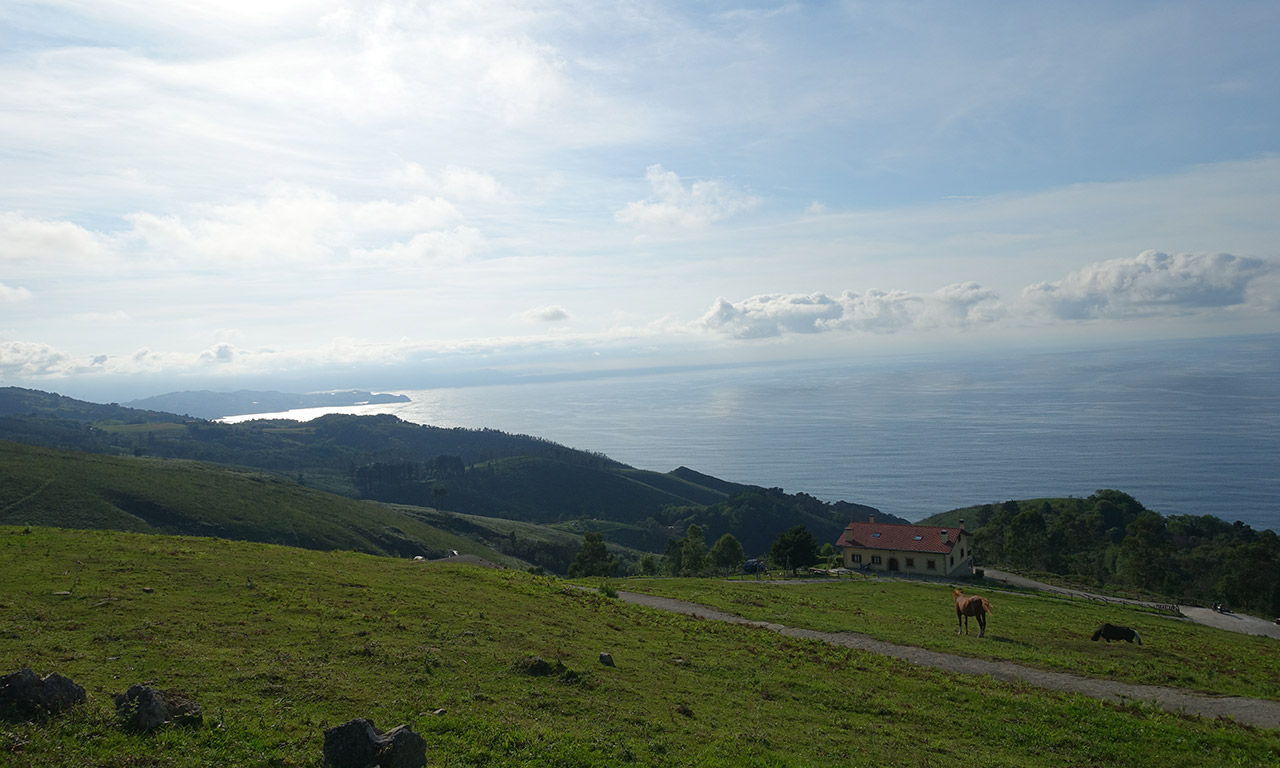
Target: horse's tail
[(1137, 637), (987, 606)]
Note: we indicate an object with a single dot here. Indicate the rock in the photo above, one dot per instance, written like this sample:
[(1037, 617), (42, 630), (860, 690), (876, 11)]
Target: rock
[(536, 666), (359, 744), (606, 659), (24, 695), (143, 708), (148, 590)]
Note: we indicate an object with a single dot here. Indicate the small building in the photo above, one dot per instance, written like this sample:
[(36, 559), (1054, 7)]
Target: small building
[(927, 550)]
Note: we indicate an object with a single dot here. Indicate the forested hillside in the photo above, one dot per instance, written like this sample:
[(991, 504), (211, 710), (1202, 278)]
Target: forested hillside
[(1111, 539), (472, 471)]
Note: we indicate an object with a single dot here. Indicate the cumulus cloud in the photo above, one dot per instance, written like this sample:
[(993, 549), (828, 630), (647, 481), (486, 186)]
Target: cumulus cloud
[(1149, 285), (451, 246), (872, 311), (9, 293), (452, 182), (549, 314), (290, 223), (1152, 283), (28, 360), (25, 238), (218, 354), (673, 204)]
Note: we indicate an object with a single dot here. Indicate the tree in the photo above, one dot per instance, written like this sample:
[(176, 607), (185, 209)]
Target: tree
[(693, 559), (593, 559), (673, 555), (727, 553), (795, 549)]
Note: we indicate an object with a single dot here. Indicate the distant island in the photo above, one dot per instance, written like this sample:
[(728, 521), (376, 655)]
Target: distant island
[(204, 404)]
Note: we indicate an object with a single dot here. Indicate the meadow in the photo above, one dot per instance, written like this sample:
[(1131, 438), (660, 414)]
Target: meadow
[(278, 644), (1039, 630)]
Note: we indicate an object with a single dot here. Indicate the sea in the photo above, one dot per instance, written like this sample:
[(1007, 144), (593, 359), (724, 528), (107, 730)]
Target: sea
[(1186, 427)]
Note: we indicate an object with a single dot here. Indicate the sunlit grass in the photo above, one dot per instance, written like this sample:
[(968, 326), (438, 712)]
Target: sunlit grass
[(1037, 630), (277, 644)]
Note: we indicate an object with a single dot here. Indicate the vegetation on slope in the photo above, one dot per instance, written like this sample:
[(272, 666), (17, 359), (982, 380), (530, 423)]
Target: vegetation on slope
[(277, 644), (475, 471), (1039, 630), (77, 490), (1110, 540)]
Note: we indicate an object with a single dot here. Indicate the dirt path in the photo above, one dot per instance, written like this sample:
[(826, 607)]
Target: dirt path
[(1233, 622), (1256, 712)]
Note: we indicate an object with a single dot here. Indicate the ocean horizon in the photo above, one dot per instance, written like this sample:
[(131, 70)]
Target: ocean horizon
[(1187, 427)]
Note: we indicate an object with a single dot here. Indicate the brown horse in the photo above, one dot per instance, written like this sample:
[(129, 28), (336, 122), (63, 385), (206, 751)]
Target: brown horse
[(975, 606)]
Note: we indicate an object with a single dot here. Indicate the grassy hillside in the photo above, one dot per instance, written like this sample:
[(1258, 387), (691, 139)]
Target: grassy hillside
[(40, 486), (1039, 630), (278, 643), (475, 471)]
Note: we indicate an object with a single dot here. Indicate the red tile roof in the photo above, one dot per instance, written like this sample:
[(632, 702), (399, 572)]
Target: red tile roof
[(903, 538)]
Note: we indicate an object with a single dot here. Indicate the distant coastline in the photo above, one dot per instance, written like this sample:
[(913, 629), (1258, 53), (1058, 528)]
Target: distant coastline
[(204, 404)]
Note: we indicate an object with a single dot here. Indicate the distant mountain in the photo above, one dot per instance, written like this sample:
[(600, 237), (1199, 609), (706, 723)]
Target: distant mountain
[(204, 404), (472, 471)]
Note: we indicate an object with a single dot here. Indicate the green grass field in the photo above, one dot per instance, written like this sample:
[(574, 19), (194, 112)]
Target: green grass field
[(1039, 630), (279, 643)]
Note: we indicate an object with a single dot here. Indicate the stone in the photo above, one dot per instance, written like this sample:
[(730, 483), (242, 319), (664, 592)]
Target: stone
[(143, 708), (24, 695), (359, 744), (536, 666), (606, 659)]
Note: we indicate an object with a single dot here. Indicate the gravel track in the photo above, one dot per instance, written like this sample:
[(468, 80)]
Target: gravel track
[(1255, 712)]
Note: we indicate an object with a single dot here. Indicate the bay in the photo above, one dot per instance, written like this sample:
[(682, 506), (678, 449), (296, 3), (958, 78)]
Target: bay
[(1186, 427)]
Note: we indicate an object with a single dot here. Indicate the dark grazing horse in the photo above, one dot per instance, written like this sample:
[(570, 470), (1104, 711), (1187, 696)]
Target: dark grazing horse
[(975, 606), (1111, 632)]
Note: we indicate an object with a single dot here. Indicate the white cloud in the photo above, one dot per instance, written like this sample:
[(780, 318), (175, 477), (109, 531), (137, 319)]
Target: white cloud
[(549, 314), (673, 204), (292, 223), (26, 360), (873, 311), (23, 238), (452, 182), (218, 354), (11, 294), (1152, 283), (452, 246)]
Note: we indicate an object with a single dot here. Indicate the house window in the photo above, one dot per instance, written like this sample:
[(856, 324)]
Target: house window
[(911, 562), (933, 566), (875, 559), (953, 561), (857, 558)]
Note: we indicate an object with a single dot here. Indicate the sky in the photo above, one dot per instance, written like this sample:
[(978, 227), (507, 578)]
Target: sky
[(321, 195)]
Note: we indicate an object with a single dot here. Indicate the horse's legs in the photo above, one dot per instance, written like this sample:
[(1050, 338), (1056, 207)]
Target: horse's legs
[(982, 625)]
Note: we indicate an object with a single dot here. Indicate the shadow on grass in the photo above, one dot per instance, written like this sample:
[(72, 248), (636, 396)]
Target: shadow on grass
[(1009, 640)]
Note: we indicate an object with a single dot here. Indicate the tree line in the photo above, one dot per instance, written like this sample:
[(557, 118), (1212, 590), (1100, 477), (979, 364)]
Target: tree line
[(1111, 539)]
